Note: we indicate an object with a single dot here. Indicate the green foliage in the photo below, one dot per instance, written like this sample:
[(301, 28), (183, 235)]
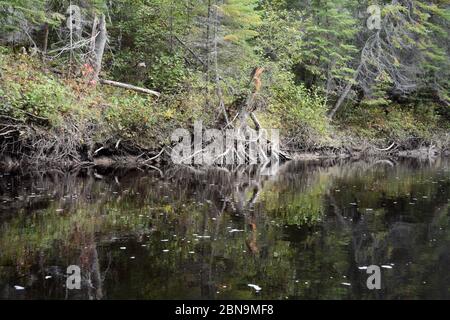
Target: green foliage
[(392, 123), (130, 116), (302, 112), (12, 12), (200, 54), (31, 94)]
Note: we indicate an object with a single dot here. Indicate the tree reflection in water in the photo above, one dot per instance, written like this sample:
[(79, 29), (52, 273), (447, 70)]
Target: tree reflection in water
[(299, 234)]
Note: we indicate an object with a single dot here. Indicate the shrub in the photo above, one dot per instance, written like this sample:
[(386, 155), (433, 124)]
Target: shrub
[(301, 112), (29, 93)]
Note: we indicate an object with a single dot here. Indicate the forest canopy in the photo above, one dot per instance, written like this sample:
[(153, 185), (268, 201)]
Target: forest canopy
[(376, 70)]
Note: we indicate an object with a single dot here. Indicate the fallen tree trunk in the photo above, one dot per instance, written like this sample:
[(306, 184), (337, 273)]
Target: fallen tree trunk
[(129, 87), (344, 95)]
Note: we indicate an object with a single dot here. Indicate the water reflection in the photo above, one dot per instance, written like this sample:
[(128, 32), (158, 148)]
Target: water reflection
[(206, 234)]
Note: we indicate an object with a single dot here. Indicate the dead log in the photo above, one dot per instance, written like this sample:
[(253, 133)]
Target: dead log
[(100, 43), (129, 87)]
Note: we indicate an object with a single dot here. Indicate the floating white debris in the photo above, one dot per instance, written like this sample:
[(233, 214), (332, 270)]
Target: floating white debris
[(346, 284), (164, 240), (362, 268), (48, 277), (235, 230), (203, 237), (191, 252), (19, 288), (254, 286), (123, 248), (166, 250), (133, 257), (386, 266)]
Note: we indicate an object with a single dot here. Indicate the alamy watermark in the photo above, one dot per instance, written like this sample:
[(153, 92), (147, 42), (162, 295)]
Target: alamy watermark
[(374, 20), (73, 281), (374, 280)]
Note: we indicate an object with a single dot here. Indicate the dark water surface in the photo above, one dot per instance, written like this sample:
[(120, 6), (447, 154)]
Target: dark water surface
[(306, 233)]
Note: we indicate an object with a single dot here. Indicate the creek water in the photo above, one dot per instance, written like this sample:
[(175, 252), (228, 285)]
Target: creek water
[(308, 232)]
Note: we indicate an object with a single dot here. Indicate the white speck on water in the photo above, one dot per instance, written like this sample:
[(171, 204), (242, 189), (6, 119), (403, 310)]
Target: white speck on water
[(123, 248), (164, 240), (132, 258), (346, 284), (191, 252), (254, 286), (143, 245), (362, 268), (19, 288), (48, 277), (386, 266), (235, 230), (165, 250)]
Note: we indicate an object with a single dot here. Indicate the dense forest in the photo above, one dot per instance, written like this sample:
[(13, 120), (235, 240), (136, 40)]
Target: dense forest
[(83, 79)]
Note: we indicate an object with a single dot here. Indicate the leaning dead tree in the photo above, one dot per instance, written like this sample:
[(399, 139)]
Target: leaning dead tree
[(391, 54)]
